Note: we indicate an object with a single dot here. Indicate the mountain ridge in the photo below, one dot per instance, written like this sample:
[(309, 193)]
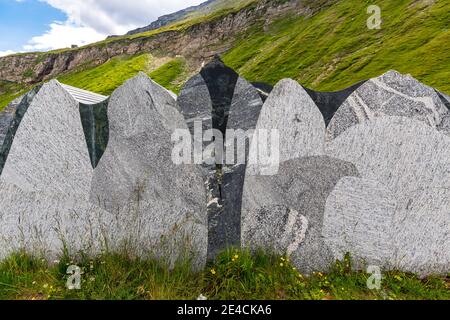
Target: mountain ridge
[(325, 45)]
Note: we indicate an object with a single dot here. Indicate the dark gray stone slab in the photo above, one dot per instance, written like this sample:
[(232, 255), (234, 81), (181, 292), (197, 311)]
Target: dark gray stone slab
[(445, 98), (160, 206), (94, 119), (243, 116), (391, 94), (284, 212), (221, 82), (196, 106), (329, 102), (224, 101), (10, 119), (263, 89)]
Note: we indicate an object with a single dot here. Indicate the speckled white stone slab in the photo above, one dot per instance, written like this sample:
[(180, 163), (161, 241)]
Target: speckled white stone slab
[(162, 206), (391, 94), (398, 216), (290, 110), (44, 187)]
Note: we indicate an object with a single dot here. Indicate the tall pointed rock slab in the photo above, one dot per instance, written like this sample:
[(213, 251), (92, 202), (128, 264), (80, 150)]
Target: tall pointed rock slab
[(156, 206), (292, 114), (225, 226), (46, 178)]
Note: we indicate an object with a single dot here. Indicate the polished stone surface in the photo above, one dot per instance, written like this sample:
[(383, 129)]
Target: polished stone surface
[(161, 206), (391, 94)]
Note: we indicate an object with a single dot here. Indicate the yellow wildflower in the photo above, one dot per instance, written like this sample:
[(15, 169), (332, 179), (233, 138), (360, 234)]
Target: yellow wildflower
[(213, 271)]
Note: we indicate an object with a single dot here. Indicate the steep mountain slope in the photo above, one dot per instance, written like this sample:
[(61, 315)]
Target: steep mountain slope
[(324, 44)]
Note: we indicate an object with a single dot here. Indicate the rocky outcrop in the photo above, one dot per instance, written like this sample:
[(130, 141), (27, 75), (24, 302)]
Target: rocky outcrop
[(197, 43)]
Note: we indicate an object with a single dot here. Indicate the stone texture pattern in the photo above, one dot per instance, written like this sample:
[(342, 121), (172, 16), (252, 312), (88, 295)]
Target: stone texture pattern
[(398, 215), (94, 118), (10, 119), (195, 104), (225, 225), (285, 211), (391, 94), (388, 207), (160, 205), (49, 152), (45, 182), (291, 111)]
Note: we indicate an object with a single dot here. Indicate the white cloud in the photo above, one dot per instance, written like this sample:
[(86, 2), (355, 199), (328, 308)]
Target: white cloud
[(117, 16), (92, 20), (6, 53), (63, 35)]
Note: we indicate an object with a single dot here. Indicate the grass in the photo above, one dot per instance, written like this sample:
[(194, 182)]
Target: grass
[(233, 275), (108, 76), (105, 78), (171, 75), (334, 48), (9, 91)]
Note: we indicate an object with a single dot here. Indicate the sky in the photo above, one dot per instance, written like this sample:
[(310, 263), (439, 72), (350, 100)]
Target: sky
[(42, 25)]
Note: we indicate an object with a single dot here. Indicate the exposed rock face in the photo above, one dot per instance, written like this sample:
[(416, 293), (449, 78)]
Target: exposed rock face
[(391, 94), (159, 207), (46, 177), (198, 43), (171, 18)]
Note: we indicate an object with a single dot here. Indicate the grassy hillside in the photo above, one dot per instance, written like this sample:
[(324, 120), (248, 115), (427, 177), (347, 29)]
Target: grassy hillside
[(335, 49), (234, 275), (108, 76), (328, 51)]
